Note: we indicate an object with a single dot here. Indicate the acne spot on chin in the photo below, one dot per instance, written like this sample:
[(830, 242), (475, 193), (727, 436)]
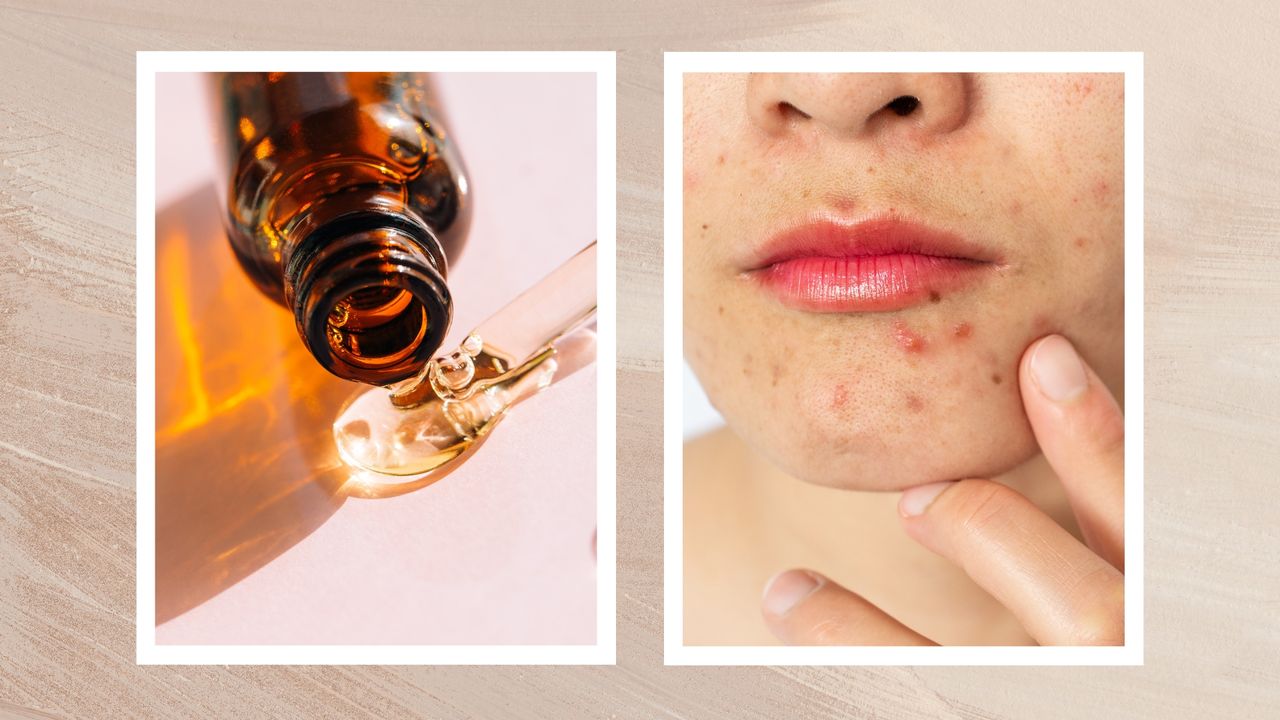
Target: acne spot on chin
[(1081, 241), (909, 340), (1101, 191), (962, 331), (747, 365), (839, 396), (775, 374), (914, 403)]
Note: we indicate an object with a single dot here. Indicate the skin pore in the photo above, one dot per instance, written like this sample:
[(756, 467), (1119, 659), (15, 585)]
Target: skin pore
[(1028, 167)]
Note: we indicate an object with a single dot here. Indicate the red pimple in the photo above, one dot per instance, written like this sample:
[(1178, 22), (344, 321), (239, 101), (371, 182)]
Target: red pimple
[(914, 403), (1101, 189), (962, 330), (1015, 208), (906, 338), (839, 396), (1081, 241)]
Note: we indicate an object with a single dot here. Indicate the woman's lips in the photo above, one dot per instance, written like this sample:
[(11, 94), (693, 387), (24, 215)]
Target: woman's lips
[(872, 266)]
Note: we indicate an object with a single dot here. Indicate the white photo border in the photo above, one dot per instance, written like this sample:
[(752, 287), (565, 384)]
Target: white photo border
[(603, 65), (676, 65)]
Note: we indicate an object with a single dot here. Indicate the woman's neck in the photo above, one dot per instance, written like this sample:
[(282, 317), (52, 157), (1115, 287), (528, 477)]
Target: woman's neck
[(855, 538)]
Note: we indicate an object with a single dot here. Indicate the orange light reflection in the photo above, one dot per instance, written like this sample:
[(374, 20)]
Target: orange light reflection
[(246, 465)]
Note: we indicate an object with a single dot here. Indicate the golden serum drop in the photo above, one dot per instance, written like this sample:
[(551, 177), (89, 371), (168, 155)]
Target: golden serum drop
[(346, 200), (430, 423)]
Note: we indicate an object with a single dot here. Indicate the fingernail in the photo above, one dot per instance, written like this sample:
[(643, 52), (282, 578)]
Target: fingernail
[(1058, 370), (916, 500), (787, 589)]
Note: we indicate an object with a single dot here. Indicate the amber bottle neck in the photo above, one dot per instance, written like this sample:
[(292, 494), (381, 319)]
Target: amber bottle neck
[(368, 294)]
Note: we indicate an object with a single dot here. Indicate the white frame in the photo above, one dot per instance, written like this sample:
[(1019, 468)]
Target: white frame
[(679, 63), (603, 64)]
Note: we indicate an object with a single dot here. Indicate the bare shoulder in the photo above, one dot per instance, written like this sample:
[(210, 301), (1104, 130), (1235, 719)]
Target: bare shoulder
[(706, 455), (713, 463), (720, 590)]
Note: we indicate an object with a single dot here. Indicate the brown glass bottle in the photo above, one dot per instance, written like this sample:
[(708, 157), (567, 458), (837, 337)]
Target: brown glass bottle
[(346, 200)]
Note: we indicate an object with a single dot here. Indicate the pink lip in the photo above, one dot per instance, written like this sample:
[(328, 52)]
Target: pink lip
[(876, 265)]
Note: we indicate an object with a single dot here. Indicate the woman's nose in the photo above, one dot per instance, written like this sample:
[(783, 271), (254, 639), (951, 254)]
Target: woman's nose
[(858, 104)]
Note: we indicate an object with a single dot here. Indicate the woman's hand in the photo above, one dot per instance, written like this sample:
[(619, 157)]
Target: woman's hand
[(1063, 592)]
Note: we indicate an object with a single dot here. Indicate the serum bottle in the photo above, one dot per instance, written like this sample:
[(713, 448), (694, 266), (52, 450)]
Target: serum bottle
[(345, 201)]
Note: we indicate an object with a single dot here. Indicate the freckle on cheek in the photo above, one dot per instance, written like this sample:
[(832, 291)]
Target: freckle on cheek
[(996, 379), (705, 226), (775, 374), (914, 403), (1081, 241), (934, 296), (906, 338), (720, 160), (721, 309)]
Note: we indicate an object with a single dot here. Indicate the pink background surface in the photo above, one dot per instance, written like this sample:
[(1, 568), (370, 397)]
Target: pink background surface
[(500, 551)]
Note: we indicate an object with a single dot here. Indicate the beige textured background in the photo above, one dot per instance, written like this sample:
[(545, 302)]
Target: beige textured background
[(67, 362)]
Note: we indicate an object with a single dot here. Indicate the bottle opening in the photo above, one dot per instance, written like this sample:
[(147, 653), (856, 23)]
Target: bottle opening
[(370, 302), (377, 327)]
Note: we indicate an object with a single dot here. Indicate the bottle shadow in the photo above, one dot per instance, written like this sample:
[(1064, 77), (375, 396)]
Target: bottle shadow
[(246, 465)]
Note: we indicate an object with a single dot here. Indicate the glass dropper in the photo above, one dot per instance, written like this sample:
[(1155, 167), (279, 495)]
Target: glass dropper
[(434, 421)]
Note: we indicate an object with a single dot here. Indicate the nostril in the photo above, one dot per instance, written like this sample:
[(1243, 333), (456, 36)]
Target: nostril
[(789, 111), (903, 105)]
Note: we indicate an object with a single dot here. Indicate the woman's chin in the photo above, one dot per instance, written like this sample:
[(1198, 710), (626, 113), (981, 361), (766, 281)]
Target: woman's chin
[(896, 466)]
